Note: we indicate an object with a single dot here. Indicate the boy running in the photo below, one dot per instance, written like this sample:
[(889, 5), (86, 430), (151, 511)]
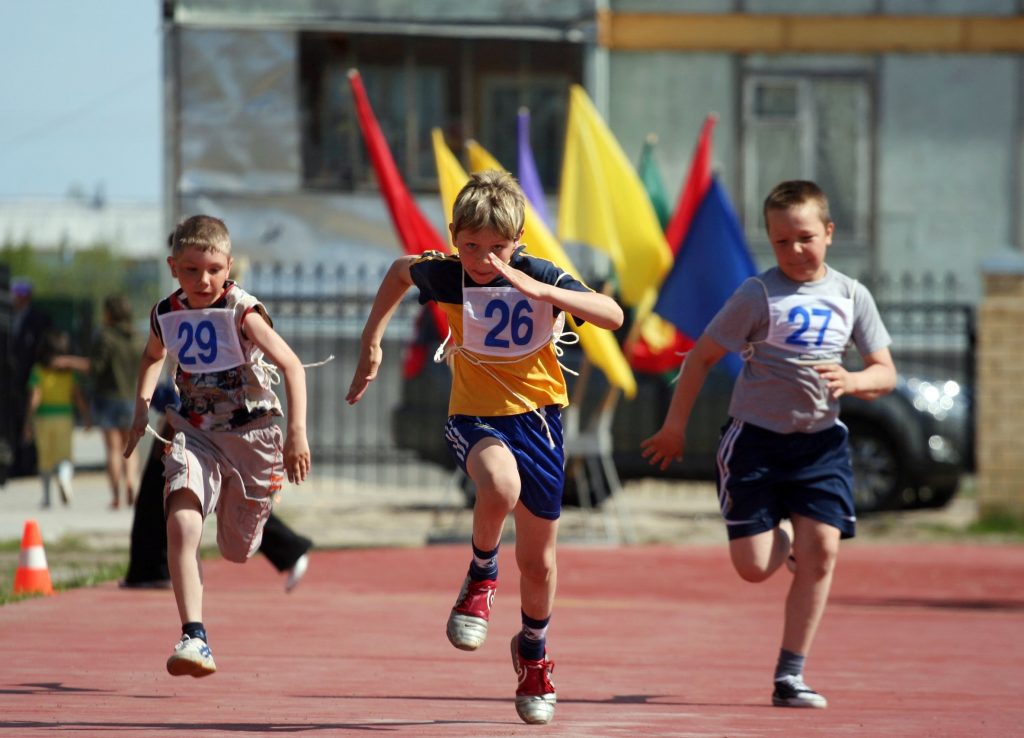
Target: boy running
[(227, 454), (783, 453), (504, 426)]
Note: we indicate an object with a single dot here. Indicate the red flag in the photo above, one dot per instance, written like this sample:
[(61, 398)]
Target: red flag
[(698, 181), (414, 230)]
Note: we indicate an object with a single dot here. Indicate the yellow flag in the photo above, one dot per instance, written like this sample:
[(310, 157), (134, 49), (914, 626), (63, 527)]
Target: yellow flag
[(451, 177), (598, 344), (603, 203)]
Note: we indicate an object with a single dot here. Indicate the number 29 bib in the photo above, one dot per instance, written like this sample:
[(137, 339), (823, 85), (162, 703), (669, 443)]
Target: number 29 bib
[(203, 340), (502, 321)]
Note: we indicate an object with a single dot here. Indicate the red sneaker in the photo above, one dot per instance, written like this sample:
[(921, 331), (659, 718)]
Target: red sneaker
[(467, 623), (535, 696)]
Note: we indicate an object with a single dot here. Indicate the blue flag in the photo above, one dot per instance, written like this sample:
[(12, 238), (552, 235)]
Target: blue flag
[(712, 262)]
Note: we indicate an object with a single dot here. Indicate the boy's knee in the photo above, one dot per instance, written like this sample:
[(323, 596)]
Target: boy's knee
[(495, 488), (537, 568), (750, 572), (184, 513), (819, 560)]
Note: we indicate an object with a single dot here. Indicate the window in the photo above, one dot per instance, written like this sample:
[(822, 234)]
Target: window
[(809, 127), (467, 88)]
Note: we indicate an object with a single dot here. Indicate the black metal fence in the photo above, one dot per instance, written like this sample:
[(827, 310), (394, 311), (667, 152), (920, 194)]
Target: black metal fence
[(321, 311)]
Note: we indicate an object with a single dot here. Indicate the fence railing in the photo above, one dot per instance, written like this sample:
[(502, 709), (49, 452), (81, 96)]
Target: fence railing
[(321, 311)]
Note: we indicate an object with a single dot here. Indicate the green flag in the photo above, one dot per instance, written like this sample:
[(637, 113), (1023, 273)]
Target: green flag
[(651, 178)]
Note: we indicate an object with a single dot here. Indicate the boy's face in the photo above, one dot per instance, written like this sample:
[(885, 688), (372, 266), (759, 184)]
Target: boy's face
[(799, 239), (474, 246), (201, 274)]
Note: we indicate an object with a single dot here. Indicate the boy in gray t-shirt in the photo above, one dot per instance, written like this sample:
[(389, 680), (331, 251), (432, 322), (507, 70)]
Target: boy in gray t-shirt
[(784, 452)]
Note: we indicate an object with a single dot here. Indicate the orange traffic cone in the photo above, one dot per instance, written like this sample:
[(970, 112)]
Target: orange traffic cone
[(32, 576)]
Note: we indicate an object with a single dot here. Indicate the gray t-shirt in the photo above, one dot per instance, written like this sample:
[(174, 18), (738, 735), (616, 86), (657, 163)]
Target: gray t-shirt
[(782, 328)]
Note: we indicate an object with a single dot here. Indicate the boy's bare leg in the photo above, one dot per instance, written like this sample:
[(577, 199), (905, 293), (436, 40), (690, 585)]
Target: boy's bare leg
[(493, 470), (815, 546), (184, 532), (535, 554), (492, 467), (756, 557)]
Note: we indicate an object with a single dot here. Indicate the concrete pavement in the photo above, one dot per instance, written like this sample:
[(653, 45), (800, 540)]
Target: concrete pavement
[(340, 512)]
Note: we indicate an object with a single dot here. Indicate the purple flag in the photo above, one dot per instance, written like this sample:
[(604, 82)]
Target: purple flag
[(529, 180)]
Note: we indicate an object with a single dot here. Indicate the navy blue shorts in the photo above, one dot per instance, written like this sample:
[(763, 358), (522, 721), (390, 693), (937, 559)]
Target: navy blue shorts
[(765, 476), (541, 466)]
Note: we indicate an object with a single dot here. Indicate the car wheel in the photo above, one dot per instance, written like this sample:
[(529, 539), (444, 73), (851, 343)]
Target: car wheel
[(933, 497), (878, 468)]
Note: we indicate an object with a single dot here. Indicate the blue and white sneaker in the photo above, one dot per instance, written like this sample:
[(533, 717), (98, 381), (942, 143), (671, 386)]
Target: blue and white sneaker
[(790, 691), (191, 657)]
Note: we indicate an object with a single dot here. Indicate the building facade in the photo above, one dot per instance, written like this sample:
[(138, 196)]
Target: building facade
[(909, 112)]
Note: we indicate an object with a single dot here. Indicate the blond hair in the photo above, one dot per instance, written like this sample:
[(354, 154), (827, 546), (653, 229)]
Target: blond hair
[(794, 192), (490, 200), (202, 232)]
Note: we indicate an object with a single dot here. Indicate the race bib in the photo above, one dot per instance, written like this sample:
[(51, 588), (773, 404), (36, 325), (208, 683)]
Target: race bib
[(202, 340), (816, 329), (502, 321)]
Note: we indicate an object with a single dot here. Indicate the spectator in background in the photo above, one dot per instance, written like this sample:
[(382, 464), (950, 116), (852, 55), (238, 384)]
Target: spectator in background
[(55, 392), (28, 324), (112, 367)]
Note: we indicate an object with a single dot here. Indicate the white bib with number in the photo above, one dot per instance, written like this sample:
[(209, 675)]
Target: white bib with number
[(203, 340), (502, 321), (818, 328)]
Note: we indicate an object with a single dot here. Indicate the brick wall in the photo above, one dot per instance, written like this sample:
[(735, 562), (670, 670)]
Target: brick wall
[(1000, 389)]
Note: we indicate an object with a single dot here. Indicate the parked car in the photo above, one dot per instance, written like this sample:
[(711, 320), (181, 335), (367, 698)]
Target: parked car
[(909, 448)]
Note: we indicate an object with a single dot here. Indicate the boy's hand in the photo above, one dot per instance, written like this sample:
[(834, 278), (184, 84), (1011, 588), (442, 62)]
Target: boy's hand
[(838, 381), (138, 429), (297, 459), (664, 447), (520, 280), (366, 372)]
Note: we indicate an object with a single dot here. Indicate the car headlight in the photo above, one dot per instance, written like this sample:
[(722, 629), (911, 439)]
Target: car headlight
[(941, 399), (943, 450)]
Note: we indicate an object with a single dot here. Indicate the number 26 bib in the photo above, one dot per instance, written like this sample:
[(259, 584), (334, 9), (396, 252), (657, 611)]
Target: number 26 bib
[(502, 321), (202, 340)]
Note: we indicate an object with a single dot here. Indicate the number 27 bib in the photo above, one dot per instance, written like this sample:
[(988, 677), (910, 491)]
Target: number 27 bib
[(816, 327), (202, 340), (502, 321)]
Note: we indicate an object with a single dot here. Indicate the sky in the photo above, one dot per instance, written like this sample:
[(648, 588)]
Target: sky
[(80, 99)]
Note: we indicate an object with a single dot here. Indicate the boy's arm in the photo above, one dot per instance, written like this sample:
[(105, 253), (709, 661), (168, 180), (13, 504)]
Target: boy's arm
[(594, 307), (297, 457), (877, 378), (149, 373), (668, 444), (390, 293)]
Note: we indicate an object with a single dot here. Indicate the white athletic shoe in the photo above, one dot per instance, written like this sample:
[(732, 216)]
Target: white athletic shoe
[(790, 691), (296, 573), (191, 657)]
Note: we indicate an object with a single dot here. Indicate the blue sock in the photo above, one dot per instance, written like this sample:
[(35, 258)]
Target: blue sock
[(789, 664), (195, 630), (484, 565), (533, 637)]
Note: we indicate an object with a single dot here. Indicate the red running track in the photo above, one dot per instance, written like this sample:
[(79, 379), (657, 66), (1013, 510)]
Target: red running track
[(923, 640)]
